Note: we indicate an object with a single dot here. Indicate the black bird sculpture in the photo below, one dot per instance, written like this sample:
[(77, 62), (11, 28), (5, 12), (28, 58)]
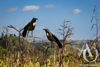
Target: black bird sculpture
[(52, 38), (29, 27)]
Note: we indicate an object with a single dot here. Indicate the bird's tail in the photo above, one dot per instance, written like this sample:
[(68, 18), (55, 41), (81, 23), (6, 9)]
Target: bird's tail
[(57, 41), (24, 33)]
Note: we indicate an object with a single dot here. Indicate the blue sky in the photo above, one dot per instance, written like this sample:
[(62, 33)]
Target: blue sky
[(50, 14)]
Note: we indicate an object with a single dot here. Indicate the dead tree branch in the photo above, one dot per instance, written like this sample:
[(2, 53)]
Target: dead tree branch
[(66, 32)]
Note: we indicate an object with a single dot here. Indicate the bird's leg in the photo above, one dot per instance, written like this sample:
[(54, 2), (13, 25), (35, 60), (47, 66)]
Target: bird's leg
[(27, 33), (33, 36), (51, 44), (32, 33)]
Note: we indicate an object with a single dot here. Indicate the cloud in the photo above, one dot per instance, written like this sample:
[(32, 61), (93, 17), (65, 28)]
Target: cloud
[(50, 6), (76, 11), (31, 8), (11, 10)]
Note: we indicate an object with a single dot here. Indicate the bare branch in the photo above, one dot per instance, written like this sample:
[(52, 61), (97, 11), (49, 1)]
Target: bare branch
[(14, 28), (60, 29), (69, 32), (11, 26), (67, 21)]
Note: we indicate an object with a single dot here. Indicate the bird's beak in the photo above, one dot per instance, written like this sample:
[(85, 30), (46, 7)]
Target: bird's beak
[(43, 29)]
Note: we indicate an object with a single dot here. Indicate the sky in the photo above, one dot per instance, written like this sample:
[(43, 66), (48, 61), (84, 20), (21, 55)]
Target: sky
[(51, 14)]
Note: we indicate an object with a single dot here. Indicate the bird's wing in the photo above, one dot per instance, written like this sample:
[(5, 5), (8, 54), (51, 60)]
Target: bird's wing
[(57, 41), (27, 25)]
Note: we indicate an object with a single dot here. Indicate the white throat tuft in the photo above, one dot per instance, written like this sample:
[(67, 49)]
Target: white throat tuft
[(47, 34), (34, 24)]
